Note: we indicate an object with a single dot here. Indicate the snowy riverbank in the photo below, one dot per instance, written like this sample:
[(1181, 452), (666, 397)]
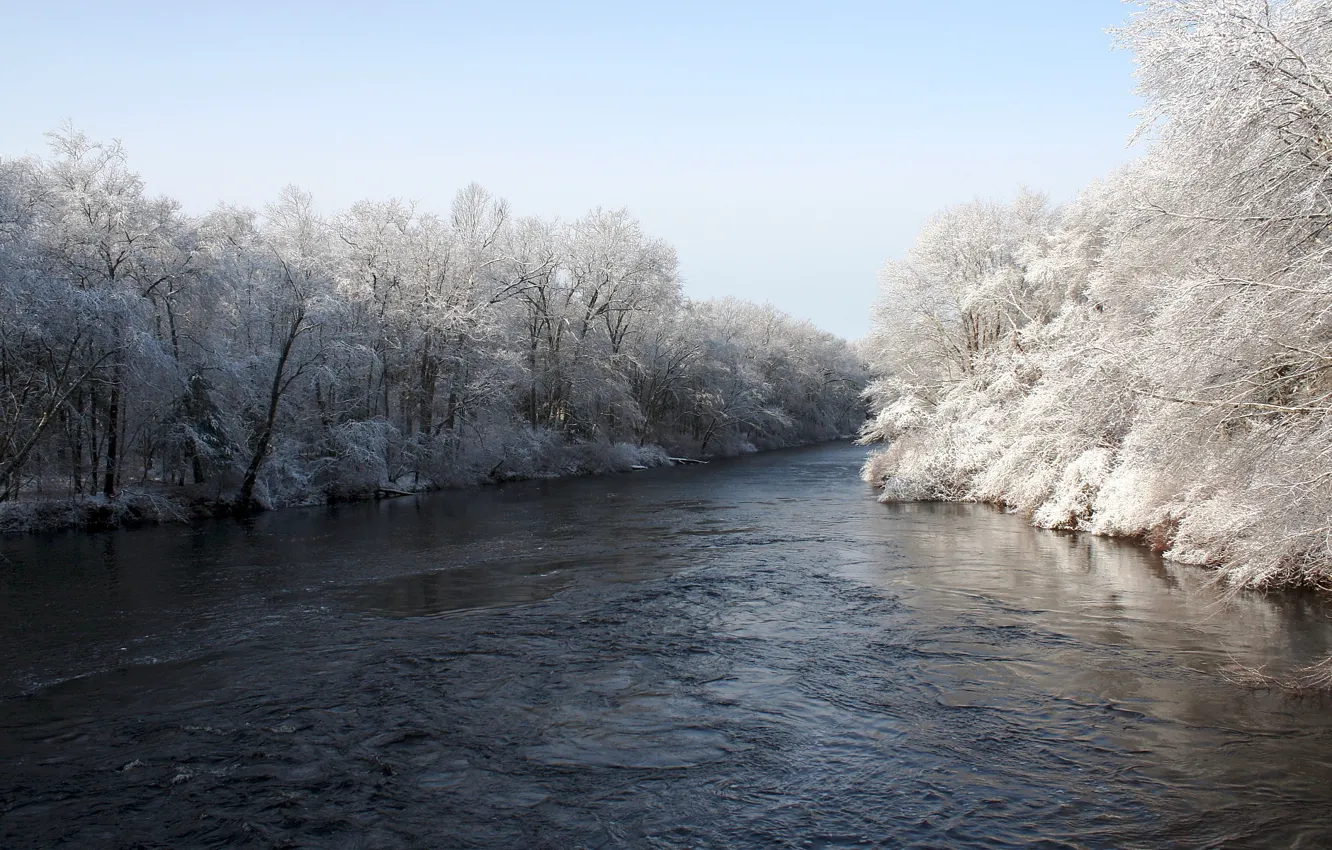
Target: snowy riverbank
[(156, 503)]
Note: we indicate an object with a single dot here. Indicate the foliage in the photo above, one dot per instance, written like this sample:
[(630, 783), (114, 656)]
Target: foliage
[(1154, 360), (260, 358)]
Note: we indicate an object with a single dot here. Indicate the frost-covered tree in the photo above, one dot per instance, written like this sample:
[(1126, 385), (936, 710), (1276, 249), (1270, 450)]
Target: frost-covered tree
[(251, 358), (1163, 369)]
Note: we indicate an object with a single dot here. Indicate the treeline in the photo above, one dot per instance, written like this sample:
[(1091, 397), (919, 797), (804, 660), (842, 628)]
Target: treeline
[(1154, 360), (247, 358)]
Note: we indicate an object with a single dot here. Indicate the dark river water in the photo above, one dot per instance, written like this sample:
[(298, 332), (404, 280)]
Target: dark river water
[(754, 653)]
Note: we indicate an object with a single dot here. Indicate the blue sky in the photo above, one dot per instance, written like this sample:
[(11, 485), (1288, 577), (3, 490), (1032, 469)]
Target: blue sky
[(785, 149)]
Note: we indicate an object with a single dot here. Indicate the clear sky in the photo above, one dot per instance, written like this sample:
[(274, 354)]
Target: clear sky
[(785, 149)]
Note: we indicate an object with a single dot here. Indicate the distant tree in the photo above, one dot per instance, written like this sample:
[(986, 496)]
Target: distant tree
[(283, 355)]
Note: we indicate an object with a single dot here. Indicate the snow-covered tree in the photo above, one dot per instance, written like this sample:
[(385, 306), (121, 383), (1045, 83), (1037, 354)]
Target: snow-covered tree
[(257, 358), (1154, 360)]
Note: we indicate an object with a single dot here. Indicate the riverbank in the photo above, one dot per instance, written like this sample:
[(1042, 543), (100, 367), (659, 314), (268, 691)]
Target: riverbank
[(154, 503), (1213, 529), (157, 503), (1075, 504)]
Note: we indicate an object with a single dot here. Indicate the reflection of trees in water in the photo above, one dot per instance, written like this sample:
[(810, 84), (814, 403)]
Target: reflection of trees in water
[(1095, 605), (463, 588)]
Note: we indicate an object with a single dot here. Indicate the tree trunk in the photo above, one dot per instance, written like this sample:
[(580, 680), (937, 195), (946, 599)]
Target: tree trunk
[(76, 449), (425, 412), (450, 422), (245, 500), (112, 436)]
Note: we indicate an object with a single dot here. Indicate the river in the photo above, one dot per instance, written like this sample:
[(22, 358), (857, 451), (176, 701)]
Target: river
[(753, 653)]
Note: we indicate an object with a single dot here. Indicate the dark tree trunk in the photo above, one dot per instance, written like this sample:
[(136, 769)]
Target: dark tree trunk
[(425, 413), (76, 447), (112, 437), (245, 499)]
